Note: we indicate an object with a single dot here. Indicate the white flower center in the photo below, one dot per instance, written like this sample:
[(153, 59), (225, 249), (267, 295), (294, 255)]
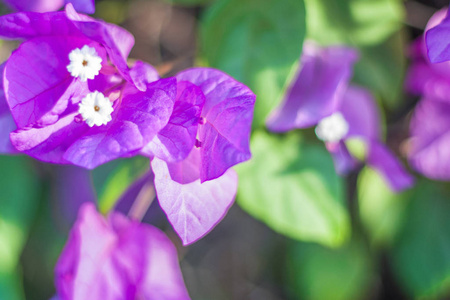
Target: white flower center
[(95, 109), (84, 63), (332, 128)]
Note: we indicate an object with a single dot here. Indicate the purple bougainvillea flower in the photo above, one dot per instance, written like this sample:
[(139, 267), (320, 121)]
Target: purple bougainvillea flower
[(82, 105), (430, 127), (207, 134), (85, 6), (320, 95), (117, 258), (324, 76), (437, 37)]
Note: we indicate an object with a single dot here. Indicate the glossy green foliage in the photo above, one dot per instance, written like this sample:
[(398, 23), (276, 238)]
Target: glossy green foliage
[(315, 272), (380, 209), (19, 186), (381, 68), (354, 22), (293, 188), (421, 252), (258, 42), (372, 27)]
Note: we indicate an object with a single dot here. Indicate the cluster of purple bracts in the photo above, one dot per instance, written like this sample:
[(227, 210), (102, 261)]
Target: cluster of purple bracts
[(193, 127), (69, 97)]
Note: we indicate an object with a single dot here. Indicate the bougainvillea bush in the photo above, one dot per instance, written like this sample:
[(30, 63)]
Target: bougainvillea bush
[(224, 149)]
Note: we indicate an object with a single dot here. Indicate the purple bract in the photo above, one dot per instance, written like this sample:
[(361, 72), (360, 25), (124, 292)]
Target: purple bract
[(85, 6), (430, 126), (207, 134), (117, 258), (77, 102), (321, 95)]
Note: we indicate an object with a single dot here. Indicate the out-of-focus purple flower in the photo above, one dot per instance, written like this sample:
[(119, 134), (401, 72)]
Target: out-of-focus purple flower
[(437, 37), (207, 134), (85, 6), (117, 258), (321, 95), (77, 102), (430, 127)]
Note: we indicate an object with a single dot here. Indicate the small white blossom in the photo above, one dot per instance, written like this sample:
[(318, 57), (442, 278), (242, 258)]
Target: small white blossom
[(332, 128), (95, 109), (85, 63)]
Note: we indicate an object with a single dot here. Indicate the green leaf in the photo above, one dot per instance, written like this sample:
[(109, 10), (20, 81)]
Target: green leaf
[(294, 189), (381, 211), (354, 22), (382, 67), (11, 286), (258, 42), (18, 203), (421, 253), (189, 2), (113, 179), (316, 272), (19, 186)]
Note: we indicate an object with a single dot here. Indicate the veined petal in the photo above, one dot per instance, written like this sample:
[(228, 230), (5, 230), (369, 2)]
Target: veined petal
[(142, 74), (227, 113), (27, 25), (194, 208), (84, 6), (39, 93), (116, 40), (135, 122), (35, 5), (176, 140)]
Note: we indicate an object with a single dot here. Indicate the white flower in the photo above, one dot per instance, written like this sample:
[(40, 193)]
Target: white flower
[(95, 109), (332, 128), (84, 63)]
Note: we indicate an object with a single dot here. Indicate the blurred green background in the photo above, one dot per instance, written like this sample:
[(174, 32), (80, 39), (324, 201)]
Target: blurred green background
[(298, 231)]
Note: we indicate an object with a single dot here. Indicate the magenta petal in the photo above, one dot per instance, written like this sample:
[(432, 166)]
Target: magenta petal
[(117, 259), (430, 139), (360, 110), (85, 6), (27, 25), (137, 120), (175, 141), (142, 74), (35, 5), (437, 41), (317, 88), (195, 208), (163, 278), (7, 124), (134, 123), (49, 143), (227, 115), (117, 41), (381, 159), (40, 92)]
